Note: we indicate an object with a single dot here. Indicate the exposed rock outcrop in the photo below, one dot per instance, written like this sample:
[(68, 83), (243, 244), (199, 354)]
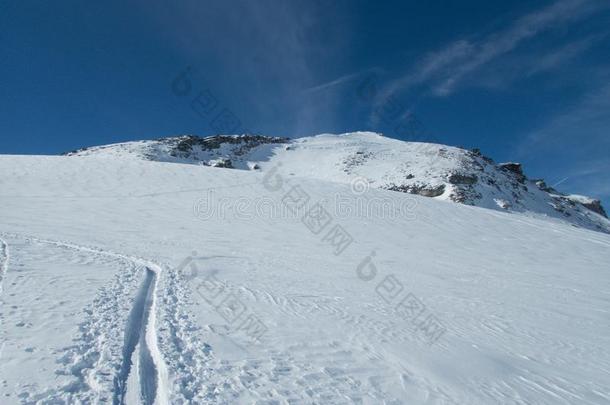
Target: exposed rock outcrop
[(425, 190), (514, 168), (596, 206), (459, 178)]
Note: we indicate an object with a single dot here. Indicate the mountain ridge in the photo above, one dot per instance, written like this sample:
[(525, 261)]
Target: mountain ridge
[(368, 159)]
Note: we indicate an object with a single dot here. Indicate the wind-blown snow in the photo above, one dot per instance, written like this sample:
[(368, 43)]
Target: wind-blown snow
[(522, 300)]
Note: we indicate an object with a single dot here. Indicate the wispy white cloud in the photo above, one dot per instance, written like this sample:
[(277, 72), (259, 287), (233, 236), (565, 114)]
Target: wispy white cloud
[(579, 138), (333, 83), (560, 181), (567, 57), (588, 178), (589, 118), (258, 55), (444, 70), (559, 56)]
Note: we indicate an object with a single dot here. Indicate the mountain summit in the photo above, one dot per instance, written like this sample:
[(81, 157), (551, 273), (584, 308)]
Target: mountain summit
[(369, 159)]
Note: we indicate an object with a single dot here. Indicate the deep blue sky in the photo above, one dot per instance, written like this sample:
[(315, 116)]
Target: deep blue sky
[(524, 81)]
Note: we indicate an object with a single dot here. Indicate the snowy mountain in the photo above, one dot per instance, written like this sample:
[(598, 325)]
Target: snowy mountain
[(122, 281), (366, 159)]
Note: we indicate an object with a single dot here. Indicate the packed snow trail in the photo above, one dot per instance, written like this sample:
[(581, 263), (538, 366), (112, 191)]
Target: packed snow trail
[(136, 336), (4, 257), (140, 330)]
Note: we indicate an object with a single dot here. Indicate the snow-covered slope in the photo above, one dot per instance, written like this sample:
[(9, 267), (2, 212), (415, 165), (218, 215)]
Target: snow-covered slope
[(124, 281), (366, 159)]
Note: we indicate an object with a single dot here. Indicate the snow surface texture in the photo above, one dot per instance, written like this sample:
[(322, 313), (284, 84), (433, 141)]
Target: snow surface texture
[(126, 283), (365, 159)]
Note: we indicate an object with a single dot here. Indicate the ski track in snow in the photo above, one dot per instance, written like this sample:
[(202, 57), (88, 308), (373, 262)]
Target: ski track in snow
[(100, 363), (135, 337), (318, 371), (4, 258), (86, 360)]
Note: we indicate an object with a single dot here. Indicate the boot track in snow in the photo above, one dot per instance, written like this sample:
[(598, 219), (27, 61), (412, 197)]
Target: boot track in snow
[(148, 373)]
